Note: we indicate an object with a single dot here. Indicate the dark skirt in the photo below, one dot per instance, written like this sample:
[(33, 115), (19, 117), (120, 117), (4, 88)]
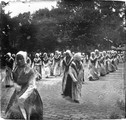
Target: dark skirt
[(68, 88), (33, 106)]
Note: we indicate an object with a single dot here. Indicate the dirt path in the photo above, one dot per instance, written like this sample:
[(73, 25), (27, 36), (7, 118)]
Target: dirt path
[(101, 99)]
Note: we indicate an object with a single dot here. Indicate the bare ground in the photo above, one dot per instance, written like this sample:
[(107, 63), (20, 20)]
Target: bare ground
[(101, 99)]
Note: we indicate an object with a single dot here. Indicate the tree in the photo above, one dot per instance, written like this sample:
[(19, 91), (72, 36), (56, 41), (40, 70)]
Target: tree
[(46, 30), (79, 25), (5, 28), (90, 22), (21, 35)]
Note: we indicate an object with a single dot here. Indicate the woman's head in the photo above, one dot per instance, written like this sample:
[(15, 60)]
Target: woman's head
[(44, 54), (68, 53), (92, 54), (8, 55), (37, 55), (77, 57), (83, 54), (97, 52), (56, 52), (104, 53), (51, 54), (21, 58)]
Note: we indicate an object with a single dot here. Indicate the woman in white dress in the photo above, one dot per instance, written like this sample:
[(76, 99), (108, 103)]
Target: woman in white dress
[(98, 65), (57, 66), (105, 62), (51, 61), (25, 103), (37, 65), (93, 72), (111, 66), (102, 67), (46, 65)]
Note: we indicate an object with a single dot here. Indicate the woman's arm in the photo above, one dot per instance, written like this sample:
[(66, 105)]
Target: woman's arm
[(26, 76), (72, 74), (31, 87)]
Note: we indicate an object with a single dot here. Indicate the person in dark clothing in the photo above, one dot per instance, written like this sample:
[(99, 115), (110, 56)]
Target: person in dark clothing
[(66, 80)]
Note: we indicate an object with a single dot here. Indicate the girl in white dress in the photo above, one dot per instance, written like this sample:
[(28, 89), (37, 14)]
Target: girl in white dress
[(46, 65)]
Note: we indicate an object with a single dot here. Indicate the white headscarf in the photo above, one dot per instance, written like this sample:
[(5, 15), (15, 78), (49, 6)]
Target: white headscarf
[(68, 52), (37, 54), (92, 53), (77, 56), (96, 52), (24, 54), (104, 53), (9, 54), (52, 54)]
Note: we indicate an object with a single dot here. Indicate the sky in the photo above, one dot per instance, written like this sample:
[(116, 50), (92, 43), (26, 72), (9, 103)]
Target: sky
[(20, 7)]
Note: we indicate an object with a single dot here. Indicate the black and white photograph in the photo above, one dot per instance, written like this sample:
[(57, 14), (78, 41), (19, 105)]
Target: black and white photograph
[(63, 59)]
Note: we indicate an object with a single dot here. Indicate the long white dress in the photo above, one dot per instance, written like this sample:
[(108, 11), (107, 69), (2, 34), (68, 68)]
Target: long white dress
[(93, 72), (56, 65), (27, 95), (46, 67), (102, 67), (77, 76)]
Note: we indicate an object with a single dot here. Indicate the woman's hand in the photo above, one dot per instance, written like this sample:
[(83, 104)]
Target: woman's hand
[(75, 80), (21, 101), (17, 87)]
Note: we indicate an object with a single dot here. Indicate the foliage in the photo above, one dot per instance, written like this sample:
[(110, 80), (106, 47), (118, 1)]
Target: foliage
[(5, 29), (77, 25), (90, 22)]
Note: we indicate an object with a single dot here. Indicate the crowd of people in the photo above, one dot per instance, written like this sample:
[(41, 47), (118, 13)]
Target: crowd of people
[(23, 70), (52, 64)]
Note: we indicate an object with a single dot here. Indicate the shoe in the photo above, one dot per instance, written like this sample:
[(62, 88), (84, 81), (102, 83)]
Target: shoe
[(90, 78), (63, 96), (7, 86), (40, 77), (37, 79), (76, 101)]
